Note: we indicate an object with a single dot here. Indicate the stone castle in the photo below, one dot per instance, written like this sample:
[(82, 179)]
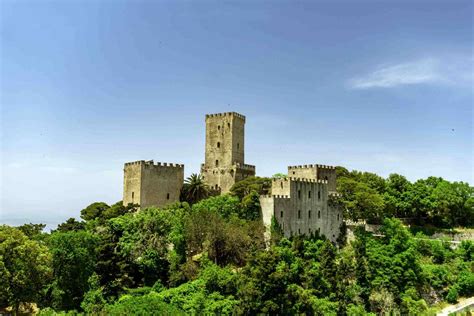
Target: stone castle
[(302, 203)]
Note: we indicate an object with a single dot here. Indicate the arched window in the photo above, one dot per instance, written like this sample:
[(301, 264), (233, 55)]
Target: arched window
[(319, 214), (281, 214), (309, 194), (133, 195), (218, 127), (299, 194), (217, 163), (167, 196), (228, 125), (299, 214), (309, 214), (281, 185), (319, 195), (218, 145)]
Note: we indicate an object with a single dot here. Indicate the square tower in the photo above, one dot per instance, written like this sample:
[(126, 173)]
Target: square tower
[(148, 184), (224, 139), (224, 156)]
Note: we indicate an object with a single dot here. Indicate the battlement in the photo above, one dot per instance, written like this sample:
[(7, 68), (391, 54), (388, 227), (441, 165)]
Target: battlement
[(276, 196), (335, 195), (150, 163), (245, 166), (311, 166), (301, 180), (226, 114)]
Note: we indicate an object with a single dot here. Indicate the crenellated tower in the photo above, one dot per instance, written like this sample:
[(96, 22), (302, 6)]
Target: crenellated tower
[(148, 184), (225, 151)]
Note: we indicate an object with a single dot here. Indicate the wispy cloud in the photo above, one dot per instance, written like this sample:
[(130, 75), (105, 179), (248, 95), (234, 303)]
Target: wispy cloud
[(422, 71)]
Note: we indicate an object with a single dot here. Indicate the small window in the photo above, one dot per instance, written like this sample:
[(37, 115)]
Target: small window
[(167, 196), (217, 163), (281, 185), (218, 127), (319, 195), (299, 231), (216, 187), (337, 216), (281, 214), (299, 214), (326, 178), (238, 145), (218, 145), (309, 214), (228, 125), (319, 214), (299, 194), (133, 195), (293, 172), (309, 194)]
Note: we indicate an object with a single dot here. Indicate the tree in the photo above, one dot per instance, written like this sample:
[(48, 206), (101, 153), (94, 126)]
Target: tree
[(32, 230), (243, 188), (93, 211), (25, 268), (71, 225), (360, 200), (74, 260), (194, 189)]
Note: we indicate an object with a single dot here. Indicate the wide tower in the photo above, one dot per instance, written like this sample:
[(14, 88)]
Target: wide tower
[(224, 157)]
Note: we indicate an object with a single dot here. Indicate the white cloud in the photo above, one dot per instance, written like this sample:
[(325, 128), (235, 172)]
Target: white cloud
[(422, 71)]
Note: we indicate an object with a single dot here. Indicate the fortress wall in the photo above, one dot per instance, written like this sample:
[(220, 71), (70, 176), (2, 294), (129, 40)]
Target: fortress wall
[(281, 186), (224, 178), (305, 171), (328, 174), (132, 183)]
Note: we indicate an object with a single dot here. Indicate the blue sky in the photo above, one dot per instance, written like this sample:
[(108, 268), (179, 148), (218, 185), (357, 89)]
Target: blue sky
[(380, 86)]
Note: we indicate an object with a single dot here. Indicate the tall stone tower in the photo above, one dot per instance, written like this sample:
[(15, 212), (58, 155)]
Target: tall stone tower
[(148, 184), (224, 157)]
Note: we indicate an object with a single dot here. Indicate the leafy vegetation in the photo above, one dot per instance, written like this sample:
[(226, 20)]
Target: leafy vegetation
[(207, 255)]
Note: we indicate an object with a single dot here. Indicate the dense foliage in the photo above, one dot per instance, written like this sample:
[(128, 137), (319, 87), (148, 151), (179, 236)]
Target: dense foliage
[(210, 257), (430, 201)]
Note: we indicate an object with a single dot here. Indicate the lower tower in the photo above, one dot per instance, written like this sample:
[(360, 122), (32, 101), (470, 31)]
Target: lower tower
[(148, 184)]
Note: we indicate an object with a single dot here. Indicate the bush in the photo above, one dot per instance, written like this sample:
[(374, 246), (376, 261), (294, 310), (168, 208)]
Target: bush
[(453, 295), (149, 304)]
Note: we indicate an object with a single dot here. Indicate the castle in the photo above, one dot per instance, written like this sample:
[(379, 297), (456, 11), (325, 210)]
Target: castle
[(302, 203)]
